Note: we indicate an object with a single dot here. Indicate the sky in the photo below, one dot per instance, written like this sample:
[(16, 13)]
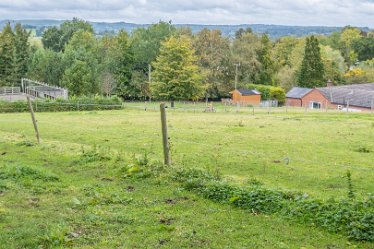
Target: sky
[(283, 12)]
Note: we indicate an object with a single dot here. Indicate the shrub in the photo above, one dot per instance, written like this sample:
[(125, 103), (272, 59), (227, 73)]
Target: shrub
[(61, 105), (270, 92)]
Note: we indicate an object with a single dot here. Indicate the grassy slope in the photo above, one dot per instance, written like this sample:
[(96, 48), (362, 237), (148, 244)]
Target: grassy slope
[(320, 147), (91, 206)]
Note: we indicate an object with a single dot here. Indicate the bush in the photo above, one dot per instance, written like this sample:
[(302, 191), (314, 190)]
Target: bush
[(61, 105), (270, 92)]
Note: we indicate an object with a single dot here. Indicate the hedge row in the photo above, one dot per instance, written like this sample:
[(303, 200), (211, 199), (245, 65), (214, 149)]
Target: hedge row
[(353, 218), (60, 105), (270, 92)]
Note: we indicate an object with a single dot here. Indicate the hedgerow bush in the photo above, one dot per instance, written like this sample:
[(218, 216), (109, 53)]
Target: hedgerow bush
[(62, 105), (270, 92), (354, 218)]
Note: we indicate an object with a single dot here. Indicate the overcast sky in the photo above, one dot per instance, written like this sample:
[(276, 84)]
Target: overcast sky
[(287, 12)]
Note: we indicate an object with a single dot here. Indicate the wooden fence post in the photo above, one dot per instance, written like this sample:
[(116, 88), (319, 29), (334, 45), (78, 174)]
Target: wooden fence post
[(165, 137), (33, 119)]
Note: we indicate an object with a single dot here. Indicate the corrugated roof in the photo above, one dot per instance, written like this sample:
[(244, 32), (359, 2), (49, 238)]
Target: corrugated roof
[(361, 95), (246, 92), (298, 92)]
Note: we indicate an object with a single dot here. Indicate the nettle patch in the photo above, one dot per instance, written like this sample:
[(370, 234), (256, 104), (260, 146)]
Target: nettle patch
[(354, 218)]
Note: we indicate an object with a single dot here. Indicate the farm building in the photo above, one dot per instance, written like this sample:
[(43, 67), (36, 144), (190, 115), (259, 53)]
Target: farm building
[(246, 97), (358, 97)]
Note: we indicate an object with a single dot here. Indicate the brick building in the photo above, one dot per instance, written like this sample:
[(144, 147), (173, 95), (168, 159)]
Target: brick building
[(358, 97)]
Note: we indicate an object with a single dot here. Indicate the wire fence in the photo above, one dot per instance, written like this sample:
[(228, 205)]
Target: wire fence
[(201, 149)]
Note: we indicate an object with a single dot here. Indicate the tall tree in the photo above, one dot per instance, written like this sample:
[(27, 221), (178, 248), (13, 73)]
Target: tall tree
[(145, 43), (348, 37), (78, 78), (124, 64), (244, 51), (83, 47), (267, 70), (21, 52), (213, 53), (176, 75), (312, 69), (52, 39), (7, 55)]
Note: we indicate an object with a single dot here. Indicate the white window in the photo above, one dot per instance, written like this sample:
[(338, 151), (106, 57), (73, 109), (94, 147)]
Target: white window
[(315, 105)]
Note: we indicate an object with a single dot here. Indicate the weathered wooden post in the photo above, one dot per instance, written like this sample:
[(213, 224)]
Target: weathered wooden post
[(33, 119), (165, 137)]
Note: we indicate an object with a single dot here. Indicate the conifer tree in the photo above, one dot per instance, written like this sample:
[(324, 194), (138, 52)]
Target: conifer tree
[(312, 69), (176, 74)]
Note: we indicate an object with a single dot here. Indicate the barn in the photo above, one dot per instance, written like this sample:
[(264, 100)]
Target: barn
[(246, 97), (357, 97)]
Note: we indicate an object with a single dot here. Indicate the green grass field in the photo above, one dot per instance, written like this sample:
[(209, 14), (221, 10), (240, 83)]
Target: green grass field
[(52, 197)]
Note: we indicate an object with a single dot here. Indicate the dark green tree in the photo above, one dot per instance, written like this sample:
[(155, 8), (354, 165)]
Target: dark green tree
[(7, 56), (78, 78), (52, 39), (312, 70), (267, 70), (364, 47), (124, 65), (21, 53)]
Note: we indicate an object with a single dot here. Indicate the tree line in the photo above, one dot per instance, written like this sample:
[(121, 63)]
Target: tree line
[(165, 62)]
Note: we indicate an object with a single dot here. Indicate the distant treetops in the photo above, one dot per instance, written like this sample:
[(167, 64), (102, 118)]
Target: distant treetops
[(165, 62)]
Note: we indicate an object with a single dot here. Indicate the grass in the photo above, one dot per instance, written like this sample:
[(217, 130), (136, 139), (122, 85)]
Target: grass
[(63, 194)]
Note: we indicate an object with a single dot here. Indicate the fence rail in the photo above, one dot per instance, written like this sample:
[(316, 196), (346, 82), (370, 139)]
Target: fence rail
[(10, 90)]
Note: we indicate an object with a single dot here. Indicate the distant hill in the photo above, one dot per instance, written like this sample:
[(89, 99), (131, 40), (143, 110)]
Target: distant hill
[(274, 31)]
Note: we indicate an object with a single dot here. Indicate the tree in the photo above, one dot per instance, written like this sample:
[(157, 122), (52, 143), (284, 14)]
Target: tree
[(21, 53), (267, 70), (364, 47), (52, 39), (46, 66), (213, 52), (145, 43), (240, 32), (83, 47), (56, 38), (312, 69), (78, 79), (124, 65), (348, 37), (7, 55), (333, 63), (176, 74), (244, 51)]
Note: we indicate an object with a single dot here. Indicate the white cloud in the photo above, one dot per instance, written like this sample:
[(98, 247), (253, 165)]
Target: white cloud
[(290, 12)]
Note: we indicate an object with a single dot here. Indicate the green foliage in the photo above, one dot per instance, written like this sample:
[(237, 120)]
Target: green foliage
[(7, 38), (56, 38), (81, 103), (46, 66), (364, 47), (352, 218), (312, 68), (124, 64), (270, 92), (267, 71), (52, 39), (213, 54), (176, 75)]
